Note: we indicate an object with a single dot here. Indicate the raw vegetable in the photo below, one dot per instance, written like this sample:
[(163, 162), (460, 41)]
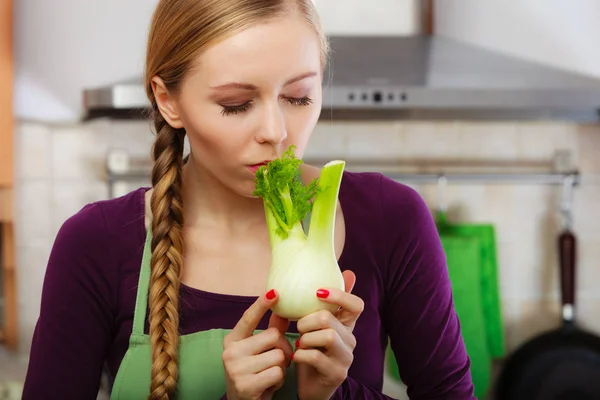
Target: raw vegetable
[(300, 263)]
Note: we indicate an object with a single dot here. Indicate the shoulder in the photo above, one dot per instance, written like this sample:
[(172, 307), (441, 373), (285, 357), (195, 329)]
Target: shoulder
[(103, 225), (387, 199), (389, 216)]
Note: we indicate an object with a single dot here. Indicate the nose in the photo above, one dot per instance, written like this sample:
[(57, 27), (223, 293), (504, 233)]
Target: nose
[(273, 128)]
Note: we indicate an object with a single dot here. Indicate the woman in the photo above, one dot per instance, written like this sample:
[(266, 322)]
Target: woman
[(242, 80)]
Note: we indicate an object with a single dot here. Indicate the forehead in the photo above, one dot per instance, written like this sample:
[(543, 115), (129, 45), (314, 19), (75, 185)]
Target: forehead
[(269, 51)]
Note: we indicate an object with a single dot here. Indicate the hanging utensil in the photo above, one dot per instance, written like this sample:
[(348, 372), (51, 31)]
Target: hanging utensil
[(563, 363)]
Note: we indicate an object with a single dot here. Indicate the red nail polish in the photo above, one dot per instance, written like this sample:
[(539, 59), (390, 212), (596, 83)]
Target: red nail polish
[(297, 342), (322, 293), (270, 294)]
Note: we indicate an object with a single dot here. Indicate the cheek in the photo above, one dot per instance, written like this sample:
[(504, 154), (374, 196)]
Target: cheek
[(211, 135), (301, 127)]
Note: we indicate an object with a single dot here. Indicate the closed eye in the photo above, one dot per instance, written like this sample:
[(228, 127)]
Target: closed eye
[(303, 101), (227, 110), (237, 109)]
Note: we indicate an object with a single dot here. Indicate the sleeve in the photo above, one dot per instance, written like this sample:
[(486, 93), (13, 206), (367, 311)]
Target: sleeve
[(419, 314), (75, 326), (351, 389)]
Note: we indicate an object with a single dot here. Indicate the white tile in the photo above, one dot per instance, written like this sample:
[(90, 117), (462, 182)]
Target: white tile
[(33, 208), (586, 211), (69, 197), (31, 268), (328, 140), (79, 152), (508, 269), (432, 140), (588, 268), (494, 141), (541, 140), (34, 151), (588, 314), (538, 316), (375, 140), (511, 311), (589, 149), (136, 137)]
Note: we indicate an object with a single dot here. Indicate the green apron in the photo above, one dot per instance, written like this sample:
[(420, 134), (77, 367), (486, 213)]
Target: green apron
[(201, 373)]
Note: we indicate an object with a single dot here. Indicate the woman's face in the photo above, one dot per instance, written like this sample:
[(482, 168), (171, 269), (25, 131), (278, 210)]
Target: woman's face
[(249, 97)]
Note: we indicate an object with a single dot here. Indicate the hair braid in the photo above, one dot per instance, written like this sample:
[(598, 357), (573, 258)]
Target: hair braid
[(167, 257)]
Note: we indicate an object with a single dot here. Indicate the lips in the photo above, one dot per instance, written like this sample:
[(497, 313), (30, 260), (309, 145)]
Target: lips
[(255, 167)]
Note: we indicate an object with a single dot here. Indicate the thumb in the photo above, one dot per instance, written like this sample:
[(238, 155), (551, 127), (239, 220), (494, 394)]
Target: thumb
[(349, 280)]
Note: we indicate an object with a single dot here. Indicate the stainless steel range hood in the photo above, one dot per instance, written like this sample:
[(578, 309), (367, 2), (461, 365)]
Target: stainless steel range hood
[(421, 77)]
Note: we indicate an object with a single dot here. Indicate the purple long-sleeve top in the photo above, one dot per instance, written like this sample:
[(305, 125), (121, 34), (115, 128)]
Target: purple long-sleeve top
[(392, 246)]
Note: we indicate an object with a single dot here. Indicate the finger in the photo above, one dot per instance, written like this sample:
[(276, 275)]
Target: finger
[(323, 320), (331, 371), (258, 363), (250, 386), (252, 317), (282, 324), (273, 376), (255, 344), (349, 280), (329, 340), (347, 301)]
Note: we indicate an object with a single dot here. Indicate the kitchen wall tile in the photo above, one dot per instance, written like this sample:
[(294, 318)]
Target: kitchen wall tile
[(541, 140), (467, 203), (70, 197), (586, 211), (33, 208), (33, 145), (373, 140), (136, 137), (493, 141), (32, 262), (511, 310), (78, 153), (588, 314), (328, 141), (432, 140), (589, 148), (538, 316), (587, 268), (509, 273)]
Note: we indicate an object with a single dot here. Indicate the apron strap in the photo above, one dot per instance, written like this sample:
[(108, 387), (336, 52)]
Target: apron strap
[(141, 300)]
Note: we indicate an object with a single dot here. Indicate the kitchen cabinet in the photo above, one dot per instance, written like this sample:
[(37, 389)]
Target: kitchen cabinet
[(8, 306), (6, 94)]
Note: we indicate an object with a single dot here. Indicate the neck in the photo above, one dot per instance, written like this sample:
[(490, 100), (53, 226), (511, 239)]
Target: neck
[(209, 203)]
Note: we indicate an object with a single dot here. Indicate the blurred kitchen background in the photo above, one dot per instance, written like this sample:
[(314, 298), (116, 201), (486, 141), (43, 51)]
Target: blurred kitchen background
[(490, 109)]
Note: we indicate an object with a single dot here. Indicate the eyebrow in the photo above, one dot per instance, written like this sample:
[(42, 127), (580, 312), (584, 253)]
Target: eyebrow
[(249, 86)]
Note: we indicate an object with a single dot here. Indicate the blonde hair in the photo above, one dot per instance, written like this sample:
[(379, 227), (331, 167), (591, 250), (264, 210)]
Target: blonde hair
[(179, 31)]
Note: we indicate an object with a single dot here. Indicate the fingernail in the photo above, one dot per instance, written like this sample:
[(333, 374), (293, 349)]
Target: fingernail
[(270, 294), (297, 342), (322, 293)]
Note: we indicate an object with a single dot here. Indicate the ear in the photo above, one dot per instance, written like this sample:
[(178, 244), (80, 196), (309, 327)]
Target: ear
[(166, 103)]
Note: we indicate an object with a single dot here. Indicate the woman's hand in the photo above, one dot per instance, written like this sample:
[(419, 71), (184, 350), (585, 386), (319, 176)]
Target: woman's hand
[(324, 352), (255, 365)]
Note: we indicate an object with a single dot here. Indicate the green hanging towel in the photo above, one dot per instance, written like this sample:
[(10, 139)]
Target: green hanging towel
[(490, 291), (463, 257)]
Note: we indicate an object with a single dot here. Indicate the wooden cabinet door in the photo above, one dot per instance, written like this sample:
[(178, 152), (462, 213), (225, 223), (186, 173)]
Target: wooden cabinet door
[(8, 327), (6, 94)]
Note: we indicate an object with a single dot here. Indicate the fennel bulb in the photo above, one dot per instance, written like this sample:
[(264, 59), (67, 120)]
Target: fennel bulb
[(300, 263)]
